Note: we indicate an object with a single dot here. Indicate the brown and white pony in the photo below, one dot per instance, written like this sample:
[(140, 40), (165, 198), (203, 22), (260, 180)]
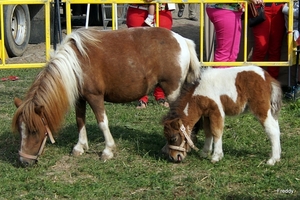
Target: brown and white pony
[(221, 92), (92, 66)]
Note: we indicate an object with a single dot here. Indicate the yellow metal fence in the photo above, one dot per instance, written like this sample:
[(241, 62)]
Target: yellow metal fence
[(67, 4)]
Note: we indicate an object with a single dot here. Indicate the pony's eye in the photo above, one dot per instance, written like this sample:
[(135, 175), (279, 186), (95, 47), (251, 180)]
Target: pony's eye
[(173, 139)]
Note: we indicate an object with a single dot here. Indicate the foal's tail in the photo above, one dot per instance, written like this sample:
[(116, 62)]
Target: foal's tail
[(276, 98), (194, 69)]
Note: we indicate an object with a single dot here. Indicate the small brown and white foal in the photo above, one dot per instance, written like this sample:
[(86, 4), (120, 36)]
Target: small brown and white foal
[(221, 92)]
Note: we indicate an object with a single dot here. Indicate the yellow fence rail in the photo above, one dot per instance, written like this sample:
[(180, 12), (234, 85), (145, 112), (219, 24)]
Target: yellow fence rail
[(3, 55), (67, 4)]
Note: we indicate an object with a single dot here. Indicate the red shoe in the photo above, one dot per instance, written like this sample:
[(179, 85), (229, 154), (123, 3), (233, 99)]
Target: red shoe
[(141, 105), (13, 78)]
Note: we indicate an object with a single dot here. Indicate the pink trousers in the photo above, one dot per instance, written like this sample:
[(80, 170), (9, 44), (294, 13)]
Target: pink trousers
[(228, 27)]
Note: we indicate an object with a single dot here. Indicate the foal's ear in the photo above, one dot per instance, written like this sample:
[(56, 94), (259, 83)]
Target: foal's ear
[(17, 102), (176, 123), (39, 110)]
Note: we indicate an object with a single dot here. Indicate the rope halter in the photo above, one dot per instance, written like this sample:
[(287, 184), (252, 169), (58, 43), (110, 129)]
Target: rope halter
[(47, 133), (187, 139)]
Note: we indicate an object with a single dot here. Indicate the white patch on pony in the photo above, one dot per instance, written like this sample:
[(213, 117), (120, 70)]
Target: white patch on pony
[(212, 84), (186, 59), (109, 140), (272, 129), (218, 151), (185, 111), (82, 143), (23, 135)]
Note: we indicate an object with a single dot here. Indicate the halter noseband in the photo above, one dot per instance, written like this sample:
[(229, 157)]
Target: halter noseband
[(188, 139), (47, 133)]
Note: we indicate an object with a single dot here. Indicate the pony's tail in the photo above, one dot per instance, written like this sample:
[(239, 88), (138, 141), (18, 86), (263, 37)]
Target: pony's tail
[(276, 98), (195, 67)]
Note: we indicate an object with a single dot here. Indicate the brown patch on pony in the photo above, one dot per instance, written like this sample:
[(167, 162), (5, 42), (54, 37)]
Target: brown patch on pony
[(152, 47), (249, 81), (175, 119)]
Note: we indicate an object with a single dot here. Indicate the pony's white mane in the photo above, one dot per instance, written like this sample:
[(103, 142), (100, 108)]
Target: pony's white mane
[(67, 64)]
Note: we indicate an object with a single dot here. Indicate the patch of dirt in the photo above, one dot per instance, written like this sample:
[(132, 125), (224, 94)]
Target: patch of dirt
[(64, 169)]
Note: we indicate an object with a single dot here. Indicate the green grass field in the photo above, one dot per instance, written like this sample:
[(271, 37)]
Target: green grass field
[(139, 170)]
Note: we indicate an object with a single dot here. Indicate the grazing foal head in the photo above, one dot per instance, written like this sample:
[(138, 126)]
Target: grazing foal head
[(33, 132), (179, 139)]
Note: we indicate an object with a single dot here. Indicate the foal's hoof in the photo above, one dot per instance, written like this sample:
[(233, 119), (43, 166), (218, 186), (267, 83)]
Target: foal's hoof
[(204, 154), (217, 157)]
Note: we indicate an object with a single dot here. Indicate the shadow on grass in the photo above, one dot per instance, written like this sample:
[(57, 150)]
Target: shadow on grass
[(141, 142), (9, 146)]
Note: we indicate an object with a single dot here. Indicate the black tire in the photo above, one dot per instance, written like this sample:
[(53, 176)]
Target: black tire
[(16, 29)]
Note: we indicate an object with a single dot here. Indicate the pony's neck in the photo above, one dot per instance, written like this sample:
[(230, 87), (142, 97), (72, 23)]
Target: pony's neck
[(191, 112)]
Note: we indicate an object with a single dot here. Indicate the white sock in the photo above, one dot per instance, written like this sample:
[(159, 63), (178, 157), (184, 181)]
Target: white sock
[(151, 17)]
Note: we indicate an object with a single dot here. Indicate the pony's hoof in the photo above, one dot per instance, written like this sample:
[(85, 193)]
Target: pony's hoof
[(272, 161), (76, 153), (106, 157), (214, 161)]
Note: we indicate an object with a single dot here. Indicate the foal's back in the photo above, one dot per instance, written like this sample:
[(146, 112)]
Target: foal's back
[(233, 89)]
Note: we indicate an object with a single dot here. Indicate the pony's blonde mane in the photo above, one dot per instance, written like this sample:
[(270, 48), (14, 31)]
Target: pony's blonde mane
[(57, 87)]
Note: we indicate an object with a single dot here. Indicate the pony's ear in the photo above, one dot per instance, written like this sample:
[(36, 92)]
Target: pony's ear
[(39, 110), (176, 123), (17, 102), (179, 122)]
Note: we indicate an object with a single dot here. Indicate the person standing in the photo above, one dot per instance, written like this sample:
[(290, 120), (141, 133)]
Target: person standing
[(136, 15), (294, 93), (192, 11), (151, 15), (268, 37), (226, 18)]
